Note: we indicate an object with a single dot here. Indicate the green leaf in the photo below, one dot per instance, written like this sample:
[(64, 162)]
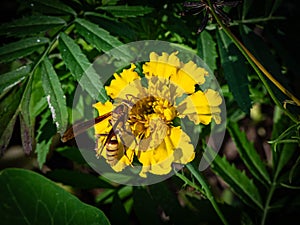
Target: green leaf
[(50, 7), (46, 131), (12, 78), (125, 11), (146, 215), (8, 114), (206, 49), (27, 119), (29, 198), (71, 153), (246, 6), (249, 154), (81, 68), (235, 71), (113, 25), (263, 54), (55, 96), (21, 48), (101, 39), (169, 203), (117, 208), (77, 179), (238, 181), (28, 26)]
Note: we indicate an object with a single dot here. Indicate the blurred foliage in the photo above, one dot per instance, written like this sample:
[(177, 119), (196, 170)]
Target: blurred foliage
[(46, 46)]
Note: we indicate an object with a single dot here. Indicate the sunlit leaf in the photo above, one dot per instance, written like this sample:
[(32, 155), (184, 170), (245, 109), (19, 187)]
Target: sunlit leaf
[(29, 198), (55, 96), (235, 71), (30, 25), (81, 68), (125, 11), (21, 48), (249, 154)]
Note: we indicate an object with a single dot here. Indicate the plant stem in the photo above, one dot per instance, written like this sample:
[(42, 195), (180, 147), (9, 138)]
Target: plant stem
[(269, 197), (258, 67), (200, 178)]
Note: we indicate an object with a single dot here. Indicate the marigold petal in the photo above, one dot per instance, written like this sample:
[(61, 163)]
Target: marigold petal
[(125, 161), (163, 66), (121, 81), (201, 107), (101, 128), (183, 149)]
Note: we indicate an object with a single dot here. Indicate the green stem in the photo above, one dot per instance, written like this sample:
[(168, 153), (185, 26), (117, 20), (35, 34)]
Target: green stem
[(257, 66), (200, 178), (269, 197), (256, 20)]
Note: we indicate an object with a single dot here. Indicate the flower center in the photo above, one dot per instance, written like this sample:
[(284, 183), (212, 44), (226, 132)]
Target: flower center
[(149, 115)]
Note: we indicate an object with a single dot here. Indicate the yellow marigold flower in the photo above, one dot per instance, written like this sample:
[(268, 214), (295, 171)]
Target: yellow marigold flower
[(152, 105)]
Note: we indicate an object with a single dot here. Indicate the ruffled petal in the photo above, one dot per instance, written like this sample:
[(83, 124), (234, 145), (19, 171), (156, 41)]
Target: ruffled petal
[(162, 66), (121, 81), (183, 149), (201, 107)]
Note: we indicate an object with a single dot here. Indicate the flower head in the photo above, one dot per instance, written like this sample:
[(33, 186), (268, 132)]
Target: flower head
[(144, 111)]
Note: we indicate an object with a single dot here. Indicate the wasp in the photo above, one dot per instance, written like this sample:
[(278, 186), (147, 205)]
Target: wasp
[(118, 118)]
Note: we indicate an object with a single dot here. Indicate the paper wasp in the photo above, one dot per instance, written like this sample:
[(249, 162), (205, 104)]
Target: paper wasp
[(118, 118)]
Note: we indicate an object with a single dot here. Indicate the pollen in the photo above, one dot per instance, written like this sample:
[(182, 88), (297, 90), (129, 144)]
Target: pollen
[(147, 111)]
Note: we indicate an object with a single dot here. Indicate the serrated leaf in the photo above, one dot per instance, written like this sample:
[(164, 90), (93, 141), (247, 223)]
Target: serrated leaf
[(12, 78), (249, 154), (55, 96), (44, 137), (113, 25), (101, 39), (81, 68), (235, 71), (27, 119), (28, 26), (206, 49), (29, 198), (125, 11), (77, 179), (238, 181), (21, 48), (50, 7), (8, 114)]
